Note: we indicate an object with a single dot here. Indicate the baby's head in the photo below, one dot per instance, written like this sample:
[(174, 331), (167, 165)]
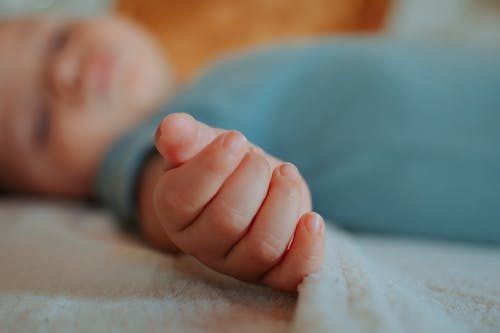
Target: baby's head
[(67, 90)]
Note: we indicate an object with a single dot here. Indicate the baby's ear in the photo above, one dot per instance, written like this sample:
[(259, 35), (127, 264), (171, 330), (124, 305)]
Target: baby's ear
[(179, 137)]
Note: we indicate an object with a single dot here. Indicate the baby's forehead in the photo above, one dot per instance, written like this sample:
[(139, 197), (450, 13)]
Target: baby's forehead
[(23, 25), (18, 29), (19, 44), (18, 35), (15, 37)]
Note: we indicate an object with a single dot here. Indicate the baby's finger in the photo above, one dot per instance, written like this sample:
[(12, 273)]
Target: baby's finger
[(226, 218), (304, 257), (179, 137), (268, 237), (183, 192)]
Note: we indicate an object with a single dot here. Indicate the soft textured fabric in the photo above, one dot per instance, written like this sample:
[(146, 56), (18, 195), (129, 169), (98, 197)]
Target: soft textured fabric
[(70, 269), (391, 136), (119, 172)]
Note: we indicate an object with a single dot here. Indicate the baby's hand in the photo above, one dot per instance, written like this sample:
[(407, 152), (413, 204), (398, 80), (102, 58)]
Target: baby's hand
[(235, 208)]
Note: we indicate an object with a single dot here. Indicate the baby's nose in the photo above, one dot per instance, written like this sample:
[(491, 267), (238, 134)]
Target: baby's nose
[(64, 76)]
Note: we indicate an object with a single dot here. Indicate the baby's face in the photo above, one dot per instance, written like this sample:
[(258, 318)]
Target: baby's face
[(67, 90)]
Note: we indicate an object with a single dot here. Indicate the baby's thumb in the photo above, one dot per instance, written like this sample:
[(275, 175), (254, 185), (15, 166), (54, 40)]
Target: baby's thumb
[(179, 137)]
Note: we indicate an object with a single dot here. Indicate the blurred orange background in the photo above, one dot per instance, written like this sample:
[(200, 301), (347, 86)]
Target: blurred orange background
[(194, 32)]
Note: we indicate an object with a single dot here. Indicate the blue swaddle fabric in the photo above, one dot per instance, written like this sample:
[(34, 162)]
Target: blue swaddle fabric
[(391, 136), (119, 172)]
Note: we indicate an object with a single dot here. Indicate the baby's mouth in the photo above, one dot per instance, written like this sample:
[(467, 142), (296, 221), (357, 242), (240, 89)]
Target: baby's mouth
[(88, 79)]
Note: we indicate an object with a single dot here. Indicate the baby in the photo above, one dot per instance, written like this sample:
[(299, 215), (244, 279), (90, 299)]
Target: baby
[(70, 89), (391, 136)]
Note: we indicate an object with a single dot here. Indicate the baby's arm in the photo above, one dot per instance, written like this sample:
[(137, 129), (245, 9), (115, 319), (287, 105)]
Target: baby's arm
[(230, 205)]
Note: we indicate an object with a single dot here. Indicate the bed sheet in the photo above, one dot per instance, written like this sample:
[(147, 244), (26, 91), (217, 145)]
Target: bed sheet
[(67, 267)]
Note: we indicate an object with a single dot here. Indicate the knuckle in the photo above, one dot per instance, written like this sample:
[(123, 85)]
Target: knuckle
[(217, 165), (267, 250), (171, 206), (260, 163), (289, 188), (227, 219), (313, 261), (178, 202)]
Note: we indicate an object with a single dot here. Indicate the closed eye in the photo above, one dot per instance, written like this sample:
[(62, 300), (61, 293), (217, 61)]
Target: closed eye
[(59, 39)]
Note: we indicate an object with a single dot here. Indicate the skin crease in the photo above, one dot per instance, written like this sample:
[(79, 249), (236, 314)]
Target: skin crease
[(76, 86)]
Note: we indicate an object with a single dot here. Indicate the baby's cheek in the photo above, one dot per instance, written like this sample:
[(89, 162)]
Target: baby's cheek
[(77, 149), (145, 82)]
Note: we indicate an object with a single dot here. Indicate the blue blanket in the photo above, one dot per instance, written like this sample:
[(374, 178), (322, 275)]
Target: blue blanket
[(392, 136)]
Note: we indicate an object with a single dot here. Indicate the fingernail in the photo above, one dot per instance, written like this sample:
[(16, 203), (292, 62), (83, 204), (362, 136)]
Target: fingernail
[(313, 223), (233, 141), (157, 133), (178, 124), (289, 170)]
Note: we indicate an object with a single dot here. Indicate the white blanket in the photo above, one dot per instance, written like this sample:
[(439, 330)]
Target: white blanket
[(68, 268)]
